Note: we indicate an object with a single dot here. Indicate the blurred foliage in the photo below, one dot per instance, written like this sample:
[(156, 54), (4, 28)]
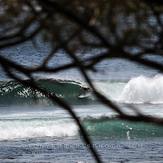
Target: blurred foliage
[(131, 23), (115, 26)]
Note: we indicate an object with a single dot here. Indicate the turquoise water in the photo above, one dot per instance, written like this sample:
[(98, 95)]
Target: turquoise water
[(34, 130), (47, 134)]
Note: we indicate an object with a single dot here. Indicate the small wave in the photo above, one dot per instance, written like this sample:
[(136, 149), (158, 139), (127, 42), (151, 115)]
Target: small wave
[(114, 128), (101, 126), (20, 129), (138, 90)]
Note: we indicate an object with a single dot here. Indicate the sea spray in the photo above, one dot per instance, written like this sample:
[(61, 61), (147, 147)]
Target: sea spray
[(143, 90), (137, 90)]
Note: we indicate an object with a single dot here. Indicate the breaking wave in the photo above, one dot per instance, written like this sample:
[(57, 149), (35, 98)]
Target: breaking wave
[(137, 90), (101, 126), (33, 128), (143, 90), (12, 92)]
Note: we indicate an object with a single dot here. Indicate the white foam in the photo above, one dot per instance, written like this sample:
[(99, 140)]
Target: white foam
[(110, 89), (143, 90), (36, 128)]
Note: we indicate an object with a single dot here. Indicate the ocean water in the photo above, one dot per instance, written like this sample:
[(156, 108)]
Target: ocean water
[(35, 130)]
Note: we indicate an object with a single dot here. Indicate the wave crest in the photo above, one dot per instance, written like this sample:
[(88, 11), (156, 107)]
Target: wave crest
[(16, 93), (115, 128), (143, 90), (20, 129)]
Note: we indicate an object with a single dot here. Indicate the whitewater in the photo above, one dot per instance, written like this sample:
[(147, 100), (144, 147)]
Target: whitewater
[(32, 129), (23, 122), (138, 90)]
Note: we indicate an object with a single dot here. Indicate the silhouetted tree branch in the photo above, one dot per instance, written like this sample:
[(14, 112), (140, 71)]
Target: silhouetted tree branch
[(113, 27)]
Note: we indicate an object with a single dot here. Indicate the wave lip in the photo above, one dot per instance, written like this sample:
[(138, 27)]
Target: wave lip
[(16, 93), (143, 90)]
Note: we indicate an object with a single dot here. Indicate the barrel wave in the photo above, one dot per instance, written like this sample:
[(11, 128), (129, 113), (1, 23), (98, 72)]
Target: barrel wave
[(54, 123), (12, 92), (138, 90)]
